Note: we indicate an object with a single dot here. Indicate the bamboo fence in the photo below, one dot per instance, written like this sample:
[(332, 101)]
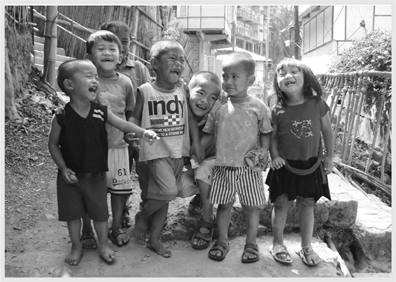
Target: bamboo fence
[(353, 96), (147, 23)]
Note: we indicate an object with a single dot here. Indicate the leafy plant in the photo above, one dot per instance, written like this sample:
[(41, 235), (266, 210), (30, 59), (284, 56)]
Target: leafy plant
[(371, 53)]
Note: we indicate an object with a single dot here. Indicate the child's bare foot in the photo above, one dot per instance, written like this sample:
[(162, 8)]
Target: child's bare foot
[(106, 253), (74, 257), (160, 249), (140, 228)]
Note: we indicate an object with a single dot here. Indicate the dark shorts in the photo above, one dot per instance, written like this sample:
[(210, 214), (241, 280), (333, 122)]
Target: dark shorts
[(88, 196)]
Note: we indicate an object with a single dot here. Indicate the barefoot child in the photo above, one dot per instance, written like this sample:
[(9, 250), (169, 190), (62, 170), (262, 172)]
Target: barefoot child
[(240, 126), (116, 92), (298, 119), (204, 91), (138, 74), (162, 107), (78, 145)]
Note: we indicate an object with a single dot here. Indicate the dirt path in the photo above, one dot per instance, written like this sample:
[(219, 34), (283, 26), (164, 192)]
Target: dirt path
[(40, 251)]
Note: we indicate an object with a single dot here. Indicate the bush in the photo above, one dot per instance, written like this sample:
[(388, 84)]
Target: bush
[(371, 53)]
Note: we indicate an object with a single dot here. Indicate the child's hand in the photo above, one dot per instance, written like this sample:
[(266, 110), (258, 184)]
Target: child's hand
[(198, 152), (150, 136), (328, 165), (193, 161), (69, 176), (132, 140), (278, 162), (223, 97)]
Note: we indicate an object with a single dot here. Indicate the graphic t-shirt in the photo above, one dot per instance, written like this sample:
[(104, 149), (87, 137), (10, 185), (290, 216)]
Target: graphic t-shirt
[(237, 126), (299, 128), (117, 95), (165, 112)]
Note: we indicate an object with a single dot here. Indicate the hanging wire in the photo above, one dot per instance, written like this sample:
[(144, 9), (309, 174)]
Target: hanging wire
[(339, 46)]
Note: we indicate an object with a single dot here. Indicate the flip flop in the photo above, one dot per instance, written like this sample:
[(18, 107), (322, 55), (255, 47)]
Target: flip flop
[(89, 236), (278, 250), (305, 252), (219, 246), (253, 249), (207, 237), (113, 234)]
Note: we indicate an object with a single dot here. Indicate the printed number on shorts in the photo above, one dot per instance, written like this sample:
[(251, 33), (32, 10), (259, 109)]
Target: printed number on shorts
[(121, 172)]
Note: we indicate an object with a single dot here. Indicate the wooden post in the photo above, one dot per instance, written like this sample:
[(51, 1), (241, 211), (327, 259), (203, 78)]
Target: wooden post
[(353, 110), (386, 145), (50, 45), (296, 33), (344, 90), (377, 124), (360, 94), (338, 90), (134, 30)]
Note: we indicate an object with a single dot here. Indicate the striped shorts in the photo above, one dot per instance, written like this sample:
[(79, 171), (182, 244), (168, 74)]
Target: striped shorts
[(119, 177), (227, 181)]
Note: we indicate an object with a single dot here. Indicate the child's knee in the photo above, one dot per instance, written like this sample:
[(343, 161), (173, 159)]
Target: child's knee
[(225, 207), (281, 201), (305, 202), (250, 210)]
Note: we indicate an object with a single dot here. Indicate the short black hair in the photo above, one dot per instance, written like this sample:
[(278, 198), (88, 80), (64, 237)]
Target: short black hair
[(207, 75), (161, 47), (311, 87), (245, 59), (102, 35), (66, 71), (115, 26)]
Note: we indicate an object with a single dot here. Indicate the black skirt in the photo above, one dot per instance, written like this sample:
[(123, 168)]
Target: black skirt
[(281, 181)]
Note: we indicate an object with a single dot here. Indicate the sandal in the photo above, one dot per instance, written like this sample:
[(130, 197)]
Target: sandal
[(253, 249), (219, 246), (280, 253), (89, 236), (308, 251), (207, 237), (195, 206), (113, 234), (126, 221)]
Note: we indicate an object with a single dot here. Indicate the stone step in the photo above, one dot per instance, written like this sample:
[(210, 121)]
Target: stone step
[(40, 61), (40, 47), (39, 39), (59, 58)]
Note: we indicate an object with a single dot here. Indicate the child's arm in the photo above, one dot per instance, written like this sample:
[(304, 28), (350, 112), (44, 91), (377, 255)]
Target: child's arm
[(329, 142), (135, 117), (206, 139), (125, 126), (53, 146), (265, 140), (277, 161), (196, 148)]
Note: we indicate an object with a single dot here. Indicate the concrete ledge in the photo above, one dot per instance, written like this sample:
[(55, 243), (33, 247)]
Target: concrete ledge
[(370, 220)]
